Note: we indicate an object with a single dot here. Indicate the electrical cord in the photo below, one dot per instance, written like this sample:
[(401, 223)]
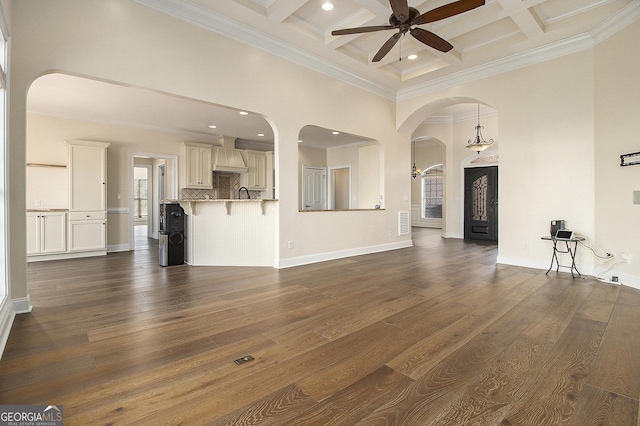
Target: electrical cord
[(599, 278), (587, 244)]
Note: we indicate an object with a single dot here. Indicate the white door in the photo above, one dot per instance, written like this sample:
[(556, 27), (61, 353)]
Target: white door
[(314, 188)]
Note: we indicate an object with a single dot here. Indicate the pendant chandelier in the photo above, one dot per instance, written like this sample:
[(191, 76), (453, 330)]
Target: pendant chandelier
[(415, 171), (478, 143)]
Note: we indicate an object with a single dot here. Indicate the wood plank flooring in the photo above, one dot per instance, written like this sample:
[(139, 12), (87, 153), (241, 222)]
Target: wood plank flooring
[(436, 334)]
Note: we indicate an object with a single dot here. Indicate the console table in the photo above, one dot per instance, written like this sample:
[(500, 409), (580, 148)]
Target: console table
[(567, 250)]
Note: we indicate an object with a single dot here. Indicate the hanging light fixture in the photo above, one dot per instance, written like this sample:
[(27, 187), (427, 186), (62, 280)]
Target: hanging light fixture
[(415, 171), (478, 143)]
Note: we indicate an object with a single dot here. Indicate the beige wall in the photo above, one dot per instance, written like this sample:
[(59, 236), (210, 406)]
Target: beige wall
[(120, 41), (562, 125), (46, 138), (617, 126)]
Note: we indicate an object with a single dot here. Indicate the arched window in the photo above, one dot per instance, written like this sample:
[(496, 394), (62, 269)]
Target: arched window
[(432, 188)]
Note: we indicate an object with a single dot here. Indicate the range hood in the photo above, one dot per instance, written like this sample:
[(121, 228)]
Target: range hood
[(228, 160)]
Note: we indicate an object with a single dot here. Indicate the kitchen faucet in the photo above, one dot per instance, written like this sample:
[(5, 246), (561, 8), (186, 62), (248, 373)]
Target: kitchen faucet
[(245, 188)]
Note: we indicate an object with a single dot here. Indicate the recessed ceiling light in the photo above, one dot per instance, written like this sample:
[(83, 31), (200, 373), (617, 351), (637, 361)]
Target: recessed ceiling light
[(412, 57), (260, 134), (327, 5), (299, 140), (244, 113), (335, 133), (213, 126)]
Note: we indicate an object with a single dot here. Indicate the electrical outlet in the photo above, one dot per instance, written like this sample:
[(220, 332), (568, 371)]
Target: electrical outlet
[(290, 244), (525, 245), (37, 203), (625, 257)]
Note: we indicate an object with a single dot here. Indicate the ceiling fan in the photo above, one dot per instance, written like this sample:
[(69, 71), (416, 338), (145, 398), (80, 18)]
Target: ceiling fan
[(405, 18)]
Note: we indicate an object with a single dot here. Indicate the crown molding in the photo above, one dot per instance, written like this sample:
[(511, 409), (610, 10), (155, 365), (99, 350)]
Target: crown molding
[(625, 17), (235, 30), (226, 27)]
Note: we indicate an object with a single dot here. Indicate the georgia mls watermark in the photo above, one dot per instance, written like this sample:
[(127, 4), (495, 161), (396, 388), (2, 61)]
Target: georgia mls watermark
[(31, 415)]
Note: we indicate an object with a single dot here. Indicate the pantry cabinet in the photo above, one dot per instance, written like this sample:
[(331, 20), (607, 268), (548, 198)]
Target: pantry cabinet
[(87, 196)]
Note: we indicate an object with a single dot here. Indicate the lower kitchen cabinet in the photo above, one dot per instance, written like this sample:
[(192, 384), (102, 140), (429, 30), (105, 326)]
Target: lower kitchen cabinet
[(46, 232), (87, 231)]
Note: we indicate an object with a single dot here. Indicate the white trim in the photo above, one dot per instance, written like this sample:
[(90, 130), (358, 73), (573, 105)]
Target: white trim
[(118, 247), (235, 30), (230, 28), (585, 270), (65, 255), (340, 254), (21, 305), (118, 210), (6, 321), (331, 188), (176, 191)]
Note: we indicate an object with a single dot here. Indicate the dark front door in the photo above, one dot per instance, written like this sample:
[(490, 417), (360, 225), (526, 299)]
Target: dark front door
[(481, 203)]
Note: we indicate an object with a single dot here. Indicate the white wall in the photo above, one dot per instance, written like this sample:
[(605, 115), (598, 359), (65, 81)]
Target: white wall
[(617, 126), (117, 40), (560, 121), (46, 138)]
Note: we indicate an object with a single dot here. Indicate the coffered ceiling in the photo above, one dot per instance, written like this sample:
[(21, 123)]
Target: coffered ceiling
[(500, 35)]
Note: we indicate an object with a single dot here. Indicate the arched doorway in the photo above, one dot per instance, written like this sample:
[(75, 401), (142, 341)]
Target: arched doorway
[(452, 121)]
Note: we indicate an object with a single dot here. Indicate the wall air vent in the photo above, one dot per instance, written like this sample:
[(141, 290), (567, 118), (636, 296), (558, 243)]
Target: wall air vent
[(403, 223)]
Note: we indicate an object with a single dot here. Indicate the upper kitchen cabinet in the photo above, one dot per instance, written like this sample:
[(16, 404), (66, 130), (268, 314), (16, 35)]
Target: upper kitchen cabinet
[(195, 166), (257, 170), (87, 176)]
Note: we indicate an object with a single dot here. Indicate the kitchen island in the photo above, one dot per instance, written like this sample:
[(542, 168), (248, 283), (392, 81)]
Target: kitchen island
[(230, 232)]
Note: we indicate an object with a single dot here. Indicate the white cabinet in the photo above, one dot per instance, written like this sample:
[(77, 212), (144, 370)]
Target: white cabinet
[(87, 231), (87, 196), (257, 170), (46, 233), (87, 176), (195, 166)]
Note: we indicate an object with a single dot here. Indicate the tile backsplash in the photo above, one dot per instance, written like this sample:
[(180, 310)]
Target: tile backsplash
[(225, 186)]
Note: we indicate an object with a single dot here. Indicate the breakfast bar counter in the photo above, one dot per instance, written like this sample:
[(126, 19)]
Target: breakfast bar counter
[(223, 232)]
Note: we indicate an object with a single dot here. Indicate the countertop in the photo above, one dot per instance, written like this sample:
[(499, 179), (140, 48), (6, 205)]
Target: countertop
[(189, 205), (46, 210), (224, 200)]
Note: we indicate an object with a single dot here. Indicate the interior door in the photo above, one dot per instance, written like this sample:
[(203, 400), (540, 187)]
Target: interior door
[(314, 188), (341, 189), (481, 203)]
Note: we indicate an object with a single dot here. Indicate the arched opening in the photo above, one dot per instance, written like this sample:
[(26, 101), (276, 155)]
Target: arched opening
[(338, 171), (452, 122), (140, 125)]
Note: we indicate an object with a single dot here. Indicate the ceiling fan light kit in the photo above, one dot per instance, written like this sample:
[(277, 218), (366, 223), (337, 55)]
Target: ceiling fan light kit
[(405, 19)]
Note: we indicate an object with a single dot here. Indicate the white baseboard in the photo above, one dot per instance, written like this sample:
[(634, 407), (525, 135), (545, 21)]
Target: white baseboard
[(585, 270), (323, 257), (21, 305), (118, 247), (6, 321), (452, 235), (66, 255)]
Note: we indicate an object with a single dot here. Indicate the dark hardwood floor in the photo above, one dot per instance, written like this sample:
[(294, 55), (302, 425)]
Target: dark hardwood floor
[(434, 334)]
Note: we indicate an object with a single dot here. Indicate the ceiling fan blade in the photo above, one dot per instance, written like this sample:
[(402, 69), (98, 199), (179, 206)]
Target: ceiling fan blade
[(386, 47), (447, 11), (400, 10), (359, 30), (432, 40)]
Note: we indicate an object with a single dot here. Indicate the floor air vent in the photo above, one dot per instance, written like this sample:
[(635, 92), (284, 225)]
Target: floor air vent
[(403, 223)]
